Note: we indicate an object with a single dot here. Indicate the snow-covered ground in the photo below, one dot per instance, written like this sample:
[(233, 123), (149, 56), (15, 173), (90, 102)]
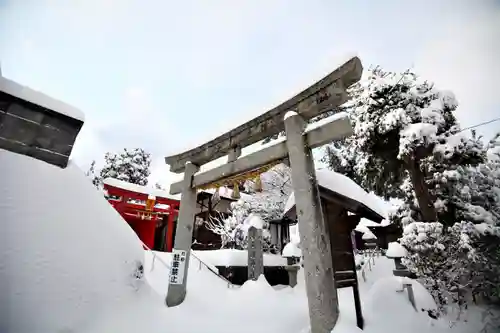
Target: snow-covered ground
[(69, 263)]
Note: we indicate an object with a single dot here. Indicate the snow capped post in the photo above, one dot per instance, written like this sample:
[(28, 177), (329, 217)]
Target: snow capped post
[(396, 251), (184, 235), (292, 253), (315, 238)]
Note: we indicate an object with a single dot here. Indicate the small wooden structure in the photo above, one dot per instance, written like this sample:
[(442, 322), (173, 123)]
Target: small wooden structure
[(384, 233), (212, 203), (280, 231), (36, 125), (151, 213), (342, 213)]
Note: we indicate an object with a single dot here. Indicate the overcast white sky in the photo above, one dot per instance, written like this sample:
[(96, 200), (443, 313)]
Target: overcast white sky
[(163, 75)]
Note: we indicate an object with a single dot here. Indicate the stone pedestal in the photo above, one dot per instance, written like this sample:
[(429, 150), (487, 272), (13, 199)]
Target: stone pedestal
[(292, 275)]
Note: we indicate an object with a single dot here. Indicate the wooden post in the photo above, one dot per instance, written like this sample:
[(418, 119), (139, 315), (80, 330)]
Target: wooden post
[(320, 284), (355, 293), (357, 306), (411, 294), (255, 255), (184, 235)]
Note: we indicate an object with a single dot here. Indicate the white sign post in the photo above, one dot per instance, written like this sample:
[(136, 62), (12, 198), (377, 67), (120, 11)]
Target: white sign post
[(178, 265)]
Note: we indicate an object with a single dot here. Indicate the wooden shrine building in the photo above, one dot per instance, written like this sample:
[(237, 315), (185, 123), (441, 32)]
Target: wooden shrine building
[(212, 204), (385, 233), (343, 203), (150, 212)]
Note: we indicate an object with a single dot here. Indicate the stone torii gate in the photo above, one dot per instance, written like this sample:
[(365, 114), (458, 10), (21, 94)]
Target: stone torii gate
[(291, 116)]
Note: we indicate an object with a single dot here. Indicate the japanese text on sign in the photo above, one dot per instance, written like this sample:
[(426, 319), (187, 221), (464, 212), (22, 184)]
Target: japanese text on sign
[(177, 268)]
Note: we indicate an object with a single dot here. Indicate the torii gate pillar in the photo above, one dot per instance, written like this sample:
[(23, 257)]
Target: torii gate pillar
[(184, 233), (315, 242)]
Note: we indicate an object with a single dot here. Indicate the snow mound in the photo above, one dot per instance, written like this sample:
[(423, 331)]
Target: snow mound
[(397, 309), (255, 221), (67, 257), (395, 250), (259, 286)]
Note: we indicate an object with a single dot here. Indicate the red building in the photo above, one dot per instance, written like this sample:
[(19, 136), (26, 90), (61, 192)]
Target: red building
[(150, 212)]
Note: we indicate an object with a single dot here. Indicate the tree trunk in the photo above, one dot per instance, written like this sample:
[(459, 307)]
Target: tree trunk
[(422, 192)]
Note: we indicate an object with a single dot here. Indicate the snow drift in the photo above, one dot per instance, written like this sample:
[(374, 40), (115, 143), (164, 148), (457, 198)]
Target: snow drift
[(66, 256)]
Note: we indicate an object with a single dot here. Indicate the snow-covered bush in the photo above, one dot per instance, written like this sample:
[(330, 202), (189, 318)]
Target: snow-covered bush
[(456, 264), (403, 127), (131, 166), (267, 204), (408, 145), (233, 230)]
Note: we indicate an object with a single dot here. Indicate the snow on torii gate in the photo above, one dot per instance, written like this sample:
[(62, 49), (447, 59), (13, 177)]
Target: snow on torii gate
[(291, 116)]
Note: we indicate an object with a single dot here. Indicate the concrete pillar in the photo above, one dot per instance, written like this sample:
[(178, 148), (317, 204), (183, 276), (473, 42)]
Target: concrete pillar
[(255, 254), (315, 242), (184, 233)]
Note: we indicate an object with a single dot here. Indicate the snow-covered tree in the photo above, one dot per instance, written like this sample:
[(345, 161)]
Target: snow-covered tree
[(267, 204), (401, 125), (131, 165), (408, 145), (94, 176)]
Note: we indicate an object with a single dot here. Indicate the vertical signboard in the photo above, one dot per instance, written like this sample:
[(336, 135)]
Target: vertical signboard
[(178, 265)]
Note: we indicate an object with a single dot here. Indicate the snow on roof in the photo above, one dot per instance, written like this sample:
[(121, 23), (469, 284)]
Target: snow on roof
[(56, 262), (326, 120), (368, 235), (362, 228), (140, 189), (395, 250), (343, 185), (15, 89), (291, 250), (368, 223)]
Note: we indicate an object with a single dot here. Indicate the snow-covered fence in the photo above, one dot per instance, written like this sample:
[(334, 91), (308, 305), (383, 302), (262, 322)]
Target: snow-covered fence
[(201, 262)]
